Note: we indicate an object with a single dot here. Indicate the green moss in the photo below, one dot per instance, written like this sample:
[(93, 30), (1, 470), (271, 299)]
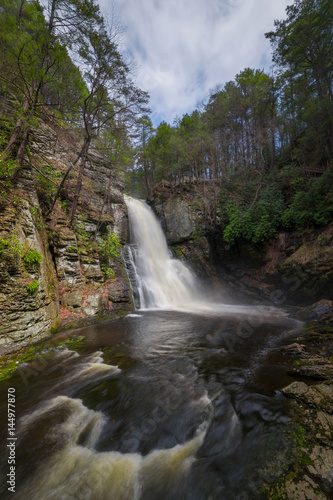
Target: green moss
[(11, 362), (72, 248), (32, 258), (11, 244), (72, 343)]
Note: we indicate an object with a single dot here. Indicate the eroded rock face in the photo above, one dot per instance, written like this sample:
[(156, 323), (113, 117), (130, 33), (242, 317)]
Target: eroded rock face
[(24, 314), (74, 287), (179, 221), (311, 424), (322, 310)]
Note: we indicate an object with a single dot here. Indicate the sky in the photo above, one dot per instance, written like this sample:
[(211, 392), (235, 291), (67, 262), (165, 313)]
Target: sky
[(185, 48)]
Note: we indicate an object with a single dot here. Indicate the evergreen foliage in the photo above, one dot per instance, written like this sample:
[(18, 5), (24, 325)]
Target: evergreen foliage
[(260, 152)]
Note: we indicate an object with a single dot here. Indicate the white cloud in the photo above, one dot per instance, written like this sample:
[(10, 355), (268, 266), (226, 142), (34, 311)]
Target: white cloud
[(184, 48)]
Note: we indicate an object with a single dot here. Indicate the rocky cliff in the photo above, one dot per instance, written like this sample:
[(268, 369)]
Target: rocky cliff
[(53, 276), (294, 268)]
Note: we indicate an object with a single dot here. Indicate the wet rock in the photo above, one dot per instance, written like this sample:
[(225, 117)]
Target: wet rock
[(294, 350), (178, 220), (72, 300), (118, 291), (323, 427), (295, 389), (25, 315), (308, 272), (67, 257), (319, 310), (304, 489), (315, 396), (322, 464), (92, 272), (93, 305), (316, 368)]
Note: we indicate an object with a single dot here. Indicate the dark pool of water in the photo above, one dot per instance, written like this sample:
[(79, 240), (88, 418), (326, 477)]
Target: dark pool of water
[(159, 405)]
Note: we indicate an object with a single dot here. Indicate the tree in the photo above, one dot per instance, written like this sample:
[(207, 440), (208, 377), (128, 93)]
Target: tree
[(35, 55), (145, 130), (109, 93), (303, 51)]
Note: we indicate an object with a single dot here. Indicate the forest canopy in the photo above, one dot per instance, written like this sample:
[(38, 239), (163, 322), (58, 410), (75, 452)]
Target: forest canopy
[(262, 142), (258, 152)]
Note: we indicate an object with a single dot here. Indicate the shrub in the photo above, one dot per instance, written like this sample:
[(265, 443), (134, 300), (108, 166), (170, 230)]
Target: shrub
[(312, 206), (109, 247), (258, 223)]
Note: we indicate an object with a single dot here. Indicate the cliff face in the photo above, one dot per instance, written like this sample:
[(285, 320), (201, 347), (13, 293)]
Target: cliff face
[(53, 276), (187, 235), (296, 267)]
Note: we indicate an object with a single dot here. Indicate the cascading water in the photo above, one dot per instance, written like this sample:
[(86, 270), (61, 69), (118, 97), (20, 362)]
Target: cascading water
[(160, 280)]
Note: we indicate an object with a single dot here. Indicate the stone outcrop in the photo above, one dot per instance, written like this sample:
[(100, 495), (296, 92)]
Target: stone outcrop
[(25, 315), (294, 268), (74, 283), (177, 220), (185, 233)]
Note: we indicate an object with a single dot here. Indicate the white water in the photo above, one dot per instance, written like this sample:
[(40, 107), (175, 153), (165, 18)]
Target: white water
[(163, 282), (78, 471)]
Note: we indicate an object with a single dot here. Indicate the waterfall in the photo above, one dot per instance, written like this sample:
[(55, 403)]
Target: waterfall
[(158, 280)]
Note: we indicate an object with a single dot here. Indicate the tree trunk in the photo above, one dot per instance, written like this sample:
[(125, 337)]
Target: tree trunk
[(63, 180), (52, 14), (18, 125), (22, 149)]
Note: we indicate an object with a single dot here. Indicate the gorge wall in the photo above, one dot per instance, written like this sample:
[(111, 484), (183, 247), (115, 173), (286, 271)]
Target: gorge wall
[(75, 282), (51, 275), (294, 268)]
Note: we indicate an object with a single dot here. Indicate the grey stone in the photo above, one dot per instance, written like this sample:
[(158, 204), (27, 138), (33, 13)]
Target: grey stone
[(295, 389), (305, 489), (179, 223), (92, 305), (72, 299), (322, 464)]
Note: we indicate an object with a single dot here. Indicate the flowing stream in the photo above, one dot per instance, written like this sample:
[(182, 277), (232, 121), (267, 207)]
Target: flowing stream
[(179, 400)]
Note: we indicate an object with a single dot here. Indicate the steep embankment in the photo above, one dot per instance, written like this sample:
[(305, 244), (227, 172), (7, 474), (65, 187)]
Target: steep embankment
[(53, 275)]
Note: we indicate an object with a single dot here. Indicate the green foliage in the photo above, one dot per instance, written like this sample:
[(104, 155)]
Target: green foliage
[(312, 206), (3, 244), (12, 244), (108, 250), (7, 167), (32, 258), (32, 287), (255, 223), (107, 271), (109, 247)]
